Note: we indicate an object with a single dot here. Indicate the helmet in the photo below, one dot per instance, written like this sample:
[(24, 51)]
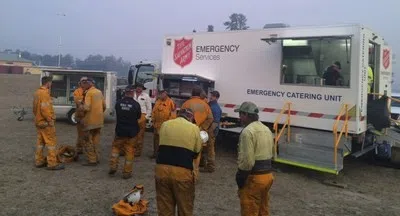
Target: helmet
[(204, 136)]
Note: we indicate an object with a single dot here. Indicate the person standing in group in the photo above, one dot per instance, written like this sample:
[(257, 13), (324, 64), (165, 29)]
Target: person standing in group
[(164, 109), (145, 103), (180, 143), (94, 107), (44, 117), (202, 117), (128, 112), (209, 161), (79, 114), (255, 151)]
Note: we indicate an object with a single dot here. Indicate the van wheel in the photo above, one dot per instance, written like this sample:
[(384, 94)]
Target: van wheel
[(71, 117)]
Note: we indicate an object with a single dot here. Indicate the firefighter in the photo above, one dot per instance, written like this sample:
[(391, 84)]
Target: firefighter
[(180, 143), (79, 114), (163, 110), (128, 113), (202, 117), (46, 132), (370, 79), (212, 132), (145, 103), (94, 107), (255, 151)]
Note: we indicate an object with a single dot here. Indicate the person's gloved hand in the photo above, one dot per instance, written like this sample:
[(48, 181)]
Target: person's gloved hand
[(241, 177)]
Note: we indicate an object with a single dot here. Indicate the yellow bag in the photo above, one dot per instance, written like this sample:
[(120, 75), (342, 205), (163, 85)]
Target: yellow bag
[(125, 208), (67, 154)]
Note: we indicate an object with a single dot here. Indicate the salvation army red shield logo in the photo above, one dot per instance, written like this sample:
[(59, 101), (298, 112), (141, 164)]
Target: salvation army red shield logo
[(183, 52), (386, 58)]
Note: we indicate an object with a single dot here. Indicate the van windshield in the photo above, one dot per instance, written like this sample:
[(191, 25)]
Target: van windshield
[(144, 74), (395, 103)]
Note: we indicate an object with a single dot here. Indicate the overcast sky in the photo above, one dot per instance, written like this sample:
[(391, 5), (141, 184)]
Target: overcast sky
[(134, 29)]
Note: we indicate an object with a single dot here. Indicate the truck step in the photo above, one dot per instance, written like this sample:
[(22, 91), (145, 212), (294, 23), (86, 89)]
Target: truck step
[(307, 154)]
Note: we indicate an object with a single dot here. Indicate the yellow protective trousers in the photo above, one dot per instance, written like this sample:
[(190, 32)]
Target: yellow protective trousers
[(174, 188), (80, 140), (127, 145), (140, 136), (254, 196), (46, 137), (92, 142)]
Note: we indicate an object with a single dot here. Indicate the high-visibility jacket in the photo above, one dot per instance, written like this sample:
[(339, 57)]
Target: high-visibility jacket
[(162, 111), (43, 107), (202, 112), (370, 79), (94, 107), (78, 99)]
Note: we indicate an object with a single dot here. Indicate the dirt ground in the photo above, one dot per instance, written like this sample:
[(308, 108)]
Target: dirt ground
[(79, 190)]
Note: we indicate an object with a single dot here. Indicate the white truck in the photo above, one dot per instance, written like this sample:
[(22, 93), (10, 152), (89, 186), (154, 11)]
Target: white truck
[(65, 81), (282, 71)]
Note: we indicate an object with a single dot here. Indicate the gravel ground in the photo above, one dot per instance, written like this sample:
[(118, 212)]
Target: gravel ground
[(78, 190)]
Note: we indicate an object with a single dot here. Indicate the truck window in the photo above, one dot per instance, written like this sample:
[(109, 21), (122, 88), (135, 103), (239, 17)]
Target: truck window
[(144, 74), (316, 61)]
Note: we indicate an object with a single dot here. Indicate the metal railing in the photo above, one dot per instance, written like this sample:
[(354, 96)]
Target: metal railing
[(286, 108), (344, 112)]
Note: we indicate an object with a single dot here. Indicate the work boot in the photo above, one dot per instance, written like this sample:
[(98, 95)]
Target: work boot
[(90, 164), (126, 175), (112, 172), (57, 167), (41, 165)]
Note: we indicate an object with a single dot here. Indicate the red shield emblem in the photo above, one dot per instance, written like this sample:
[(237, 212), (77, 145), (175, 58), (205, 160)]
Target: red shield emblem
[(386, 58), (183, 52)]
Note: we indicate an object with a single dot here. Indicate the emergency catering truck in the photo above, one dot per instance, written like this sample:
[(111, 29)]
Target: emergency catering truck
[(284, 71)]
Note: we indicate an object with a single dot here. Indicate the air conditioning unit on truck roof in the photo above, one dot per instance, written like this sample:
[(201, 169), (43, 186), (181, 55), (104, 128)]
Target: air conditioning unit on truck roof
[(290, 74)]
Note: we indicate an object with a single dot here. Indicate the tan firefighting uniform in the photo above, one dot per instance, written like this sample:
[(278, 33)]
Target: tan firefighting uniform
[(254, 150), (93, 121), (163, 110), (46, 132), (145, 104), (203, 117), (127, 144), (175, 185), (79, 114)]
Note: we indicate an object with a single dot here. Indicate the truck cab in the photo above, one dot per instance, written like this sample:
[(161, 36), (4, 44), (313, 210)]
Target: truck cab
[(146, 73)]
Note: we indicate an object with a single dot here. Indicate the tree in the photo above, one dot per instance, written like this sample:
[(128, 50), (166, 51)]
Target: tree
[(210, 28), (236, 22)]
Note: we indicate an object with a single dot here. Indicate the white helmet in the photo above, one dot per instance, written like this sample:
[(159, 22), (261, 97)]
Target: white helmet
[(204, 136)]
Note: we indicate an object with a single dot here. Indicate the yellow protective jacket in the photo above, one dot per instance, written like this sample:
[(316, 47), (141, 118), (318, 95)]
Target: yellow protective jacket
[(202, 112), (43, 107), (94, 108), (163, 110), (78, 99), (370, 79)]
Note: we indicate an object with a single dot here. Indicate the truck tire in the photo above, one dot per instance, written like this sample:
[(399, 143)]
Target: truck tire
[(71, 117)]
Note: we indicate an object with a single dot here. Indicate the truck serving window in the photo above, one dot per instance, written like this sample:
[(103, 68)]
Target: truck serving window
[(316, 61), (144, 74)]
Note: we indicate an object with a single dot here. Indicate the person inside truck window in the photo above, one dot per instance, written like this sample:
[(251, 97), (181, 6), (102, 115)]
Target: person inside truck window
[(332, 74)]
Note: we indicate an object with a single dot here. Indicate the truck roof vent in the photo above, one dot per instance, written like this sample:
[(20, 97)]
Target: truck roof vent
[(275, 25)]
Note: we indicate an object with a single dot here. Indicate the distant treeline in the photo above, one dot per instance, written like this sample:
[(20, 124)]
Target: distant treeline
[(92, 62)]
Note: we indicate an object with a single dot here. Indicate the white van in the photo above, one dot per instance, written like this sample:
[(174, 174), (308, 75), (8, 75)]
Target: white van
[(66, 81)]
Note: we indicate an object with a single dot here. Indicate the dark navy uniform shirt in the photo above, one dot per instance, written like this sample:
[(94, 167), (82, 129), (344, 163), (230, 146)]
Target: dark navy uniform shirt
[(128, 112)]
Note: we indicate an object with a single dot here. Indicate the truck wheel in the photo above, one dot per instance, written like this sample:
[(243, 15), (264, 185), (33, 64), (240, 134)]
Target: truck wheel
[(149, 125), (71, 117)]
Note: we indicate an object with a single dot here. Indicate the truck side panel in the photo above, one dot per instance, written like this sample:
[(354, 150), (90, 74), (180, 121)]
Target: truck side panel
[(249, 69)]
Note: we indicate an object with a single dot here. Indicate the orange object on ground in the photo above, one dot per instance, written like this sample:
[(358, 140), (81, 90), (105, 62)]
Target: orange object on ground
[(67, 154), (125, 208)]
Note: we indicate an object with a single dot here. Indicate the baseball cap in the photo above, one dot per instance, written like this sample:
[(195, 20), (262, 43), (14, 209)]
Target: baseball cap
[(129, 88), (215, 94), (247, 107)]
